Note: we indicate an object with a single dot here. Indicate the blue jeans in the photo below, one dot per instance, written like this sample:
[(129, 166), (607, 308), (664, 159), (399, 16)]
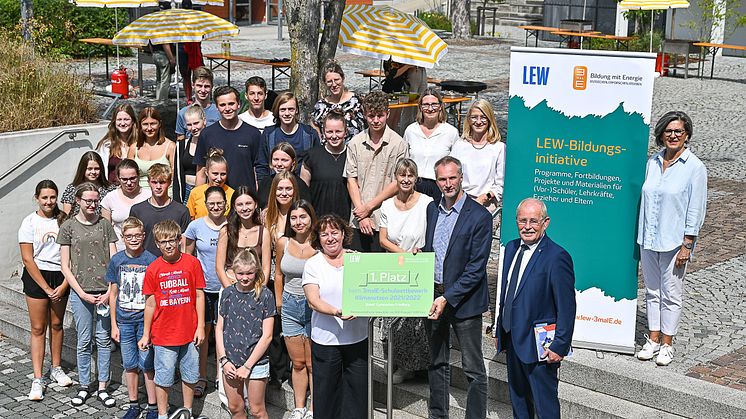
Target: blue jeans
[(86, 319), (167, 358), (132, 357), (469, 334)]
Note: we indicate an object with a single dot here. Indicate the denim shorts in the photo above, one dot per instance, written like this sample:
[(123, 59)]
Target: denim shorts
[(132, 357), (259, 372), (166, 359), (296, 315)]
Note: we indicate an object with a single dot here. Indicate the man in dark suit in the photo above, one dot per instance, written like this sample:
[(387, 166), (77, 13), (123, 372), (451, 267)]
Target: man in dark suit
[(459, 231), (538, 287)]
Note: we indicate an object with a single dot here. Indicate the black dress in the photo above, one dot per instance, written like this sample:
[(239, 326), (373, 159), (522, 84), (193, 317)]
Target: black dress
[(328, 185)]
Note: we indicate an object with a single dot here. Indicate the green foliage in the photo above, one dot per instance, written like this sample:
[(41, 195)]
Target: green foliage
[(57, 25), (641, 44), (436, 20), (36, 92), (716, 13)]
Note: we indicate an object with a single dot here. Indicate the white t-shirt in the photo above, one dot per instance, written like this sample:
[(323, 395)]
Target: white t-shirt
[(425, 151), (406, 228), (120, 210), (258, 123), (42, 233), (484, 168), (326, 329)]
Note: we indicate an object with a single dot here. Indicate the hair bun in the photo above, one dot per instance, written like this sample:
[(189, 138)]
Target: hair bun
[(215, 152)]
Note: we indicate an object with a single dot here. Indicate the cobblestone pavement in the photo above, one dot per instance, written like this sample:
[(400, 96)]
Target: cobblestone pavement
[(16, 374), (712, 335)]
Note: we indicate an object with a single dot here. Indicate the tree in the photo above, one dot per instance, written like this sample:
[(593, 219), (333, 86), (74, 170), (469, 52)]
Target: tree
[(717, 19), (461, 19), (306, 54)]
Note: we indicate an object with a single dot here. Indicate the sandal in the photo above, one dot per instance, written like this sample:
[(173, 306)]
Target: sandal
[(106, 399), (81, 397), (200, 387)]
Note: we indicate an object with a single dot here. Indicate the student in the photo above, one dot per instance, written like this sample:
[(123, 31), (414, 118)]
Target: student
[(174, 315), (257, 115), (202, 241), (216, 167), (202, 79), (238, 140), (152, 145), (125, 276), (243, 334), (115, 144), (159, 206), (371, 158), (44, 285), (185, 171), (90, 169), (282, 160), (87, 242)]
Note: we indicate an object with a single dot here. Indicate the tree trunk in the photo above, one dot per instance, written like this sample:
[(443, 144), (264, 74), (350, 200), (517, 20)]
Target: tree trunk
[(460, 19), (27, 13), (303, 18), (330, 36)]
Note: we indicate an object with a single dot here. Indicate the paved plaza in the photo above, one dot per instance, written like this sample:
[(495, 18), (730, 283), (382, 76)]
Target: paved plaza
[(711, 344)]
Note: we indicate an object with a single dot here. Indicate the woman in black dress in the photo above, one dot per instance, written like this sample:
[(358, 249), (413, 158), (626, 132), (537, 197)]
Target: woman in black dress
[(323, 168)]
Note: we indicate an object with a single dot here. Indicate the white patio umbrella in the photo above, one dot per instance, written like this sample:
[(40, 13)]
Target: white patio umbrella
[(653, 5)]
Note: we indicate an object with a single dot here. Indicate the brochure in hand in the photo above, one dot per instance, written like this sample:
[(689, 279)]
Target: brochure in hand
[(544, 336)]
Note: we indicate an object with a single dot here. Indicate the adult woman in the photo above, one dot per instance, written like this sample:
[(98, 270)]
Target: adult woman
[(242, 230), (116, 205), (482, 154), (341, 99), (216, 167), (90, 169), (287, 129), (339, 343), (672, 210), (114, 146), (402, 230), (44, 285), (430, 137), (292, 252), (282, 159), (202, 236), (324, 167), (274, 217), (186, 175), (87, 242), (152, 146)]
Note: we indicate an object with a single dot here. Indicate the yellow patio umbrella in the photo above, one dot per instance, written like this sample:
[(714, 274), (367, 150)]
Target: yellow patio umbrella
[(383, 32), (173, 26), (653, 5)]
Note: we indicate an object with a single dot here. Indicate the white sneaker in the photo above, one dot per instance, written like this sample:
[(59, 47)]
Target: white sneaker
[(59, 375), (308, 415), (665, 356), (37, 390), (298, 413), (648, 350)]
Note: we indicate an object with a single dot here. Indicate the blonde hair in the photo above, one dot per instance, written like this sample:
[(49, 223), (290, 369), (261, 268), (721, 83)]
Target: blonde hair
[(273, 210), (132, 222), (159, 171), (166, 229), (195, 110), (249, 259), (493, 134)]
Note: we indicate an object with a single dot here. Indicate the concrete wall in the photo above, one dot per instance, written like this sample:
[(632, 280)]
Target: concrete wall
[(736, 38), (58, 162)]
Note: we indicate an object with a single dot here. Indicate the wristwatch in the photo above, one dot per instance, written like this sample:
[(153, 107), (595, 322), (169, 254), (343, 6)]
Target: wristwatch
[(688, 246)]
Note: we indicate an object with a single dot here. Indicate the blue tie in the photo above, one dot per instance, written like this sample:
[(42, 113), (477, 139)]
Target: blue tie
[(508, 304)]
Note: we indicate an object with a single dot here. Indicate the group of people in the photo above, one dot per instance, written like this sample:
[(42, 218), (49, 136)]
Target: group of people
[(236, 233)]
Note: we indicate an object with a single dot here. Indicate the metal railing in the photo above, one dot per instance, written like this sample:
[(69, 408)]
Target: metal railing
[(71, 134)]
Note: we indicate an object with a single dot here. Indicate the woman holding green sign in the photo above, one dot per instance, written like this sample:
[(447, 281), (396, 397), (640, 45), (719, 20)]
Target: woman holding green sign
[(339, 343), (403, 223)]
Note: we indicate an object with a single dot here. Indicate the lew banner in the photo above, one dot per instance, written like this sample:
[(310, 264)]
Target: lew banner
[(578, 140)]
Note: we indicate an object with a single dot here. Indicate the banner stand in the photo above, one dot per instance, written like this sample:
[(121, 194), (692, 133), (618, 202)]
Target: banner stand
[(386, 367)]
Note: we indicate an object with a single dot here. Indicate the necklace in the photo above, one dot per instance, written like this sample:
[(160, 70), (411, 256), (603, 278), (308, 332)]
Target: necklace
[(478, 146), (334, 155)]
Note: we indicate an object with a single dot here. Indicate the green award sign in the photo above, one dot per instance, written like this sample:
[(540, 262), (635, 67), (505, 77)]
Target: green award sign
[(388, 284)]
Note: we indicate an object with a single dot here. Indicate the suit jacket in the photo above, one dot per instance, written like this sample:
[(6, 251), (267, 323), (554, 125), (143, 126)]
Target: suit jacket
[(465, 262), (545, 294)]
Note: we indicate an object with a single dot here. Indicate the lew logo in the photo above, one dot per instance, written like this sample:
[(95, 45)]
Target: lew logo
[(535, 75), (579, 77)]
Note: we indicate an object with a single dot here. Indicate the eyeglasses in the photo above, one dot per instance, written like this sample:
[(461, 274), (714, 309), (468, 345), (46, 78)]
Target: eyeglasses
[(89, 202), (215, 204), (675, 132), (532, 222), (476, 118), (171, 242), (430, 106), (127, 179), (133, 236)]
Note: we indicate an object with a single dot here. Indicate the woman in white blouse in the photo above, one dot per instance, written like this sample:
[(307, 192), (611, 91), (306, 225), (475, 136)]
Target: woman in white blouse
[(482, 153), (430, 137), (403, 223)]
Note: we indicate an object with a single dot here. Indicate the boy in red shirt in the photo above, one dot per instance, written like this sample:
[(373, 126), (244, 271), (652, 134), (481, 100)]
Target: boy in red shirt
[(174, 315)]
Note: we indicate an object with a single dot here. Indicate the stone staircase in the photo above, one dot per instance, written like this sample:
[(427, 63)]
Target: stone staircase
[(511, 13), (612, 386)]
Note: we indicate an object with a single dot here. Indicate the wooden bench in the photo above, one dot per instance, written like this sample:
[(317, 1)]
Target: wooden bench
[(532, 30), (711, 48), (279, 67)]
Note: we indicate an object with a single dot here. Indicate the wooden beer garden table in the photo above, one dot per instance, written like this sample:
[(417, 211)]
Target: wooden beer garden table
[(279, 67)]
